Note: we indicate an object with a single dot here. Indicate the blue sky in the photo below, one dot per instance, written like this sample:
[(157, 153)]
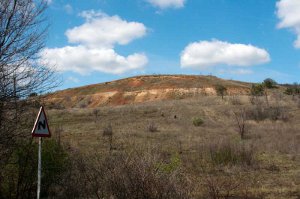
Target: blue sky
[(102, 40)]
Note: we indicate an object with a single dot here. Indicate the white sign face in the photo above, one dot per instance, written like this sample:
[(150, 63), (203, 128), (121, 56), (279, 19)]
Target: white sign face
[(41, 128)]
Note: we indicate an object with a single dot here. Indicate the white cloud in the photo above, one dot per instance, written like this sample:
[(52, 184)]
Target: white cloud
[(91, 14), (73, 79), (95, 52), (204, 54), (163, 4), (288, 11), (241, 72), (68, 8), (101, 30), (238, 71), (84, 60)]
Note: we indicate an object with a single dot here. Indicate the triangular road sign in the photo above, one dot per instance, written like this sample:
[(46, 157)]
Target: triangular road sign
[(41, 127)]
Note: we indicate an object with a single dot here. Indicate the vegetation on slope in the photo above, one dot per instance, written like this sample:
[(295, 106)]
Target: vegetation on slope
[(211, 160)]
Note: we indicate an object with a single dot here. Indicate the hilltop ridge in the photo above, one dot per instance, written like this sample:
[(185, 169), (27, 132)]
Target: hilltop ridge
[(140, 89)]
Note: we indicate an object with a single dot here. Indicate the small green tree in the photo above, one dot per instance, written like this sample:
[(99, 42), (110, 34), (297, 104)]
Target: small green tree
[(269, 83), (221, 90), (257, 90)]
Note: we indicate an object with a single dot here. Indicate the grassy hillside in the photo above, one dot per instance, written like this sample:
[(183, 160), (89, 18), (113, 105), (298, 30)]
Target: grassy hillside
[(199, 137)]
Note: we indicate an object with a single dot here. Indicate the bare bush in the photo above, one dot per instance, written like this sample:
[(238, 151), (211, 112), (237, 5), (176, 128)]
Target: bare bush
[(278, 97), (108, 132), (57, 132), (129, 175), (235, 184), (256, 100), (96, 113), (235, 100), (260, 112), (240, 119), (152, 127), (83, 103)]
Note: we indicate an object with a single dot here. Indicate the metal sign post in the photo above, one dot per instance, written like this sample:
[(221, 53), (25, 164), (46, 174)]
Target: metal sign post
[(40, 129), (39, 169)]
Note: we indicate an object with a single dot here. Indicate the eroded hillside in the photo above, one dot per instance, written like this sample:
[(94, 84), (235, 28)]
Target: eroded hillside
[(143, 89)]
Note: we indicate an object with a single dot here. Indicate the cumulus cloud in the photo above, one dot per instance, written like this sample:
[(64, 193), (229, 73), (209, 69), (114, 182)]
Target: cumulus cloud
[(84, 60), (288, 11), (101, 30), (163, 4), (204, 54), (95, 41)]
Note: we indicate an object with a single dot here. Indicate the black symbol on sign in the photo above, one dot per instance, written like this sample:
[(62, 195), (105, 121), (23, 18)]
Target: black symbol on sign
[(42, 124)]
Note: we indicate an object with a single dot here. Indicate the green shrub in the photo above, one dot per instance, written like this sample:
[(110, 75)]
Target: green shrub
[(173, 165), (289, 91), (293, 90), (197, 121), (257, 90)]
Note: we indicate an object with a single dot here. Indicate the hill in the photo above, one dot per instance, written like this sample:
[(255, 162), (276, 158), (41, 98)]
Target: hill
[(241, 146), (142, 89)]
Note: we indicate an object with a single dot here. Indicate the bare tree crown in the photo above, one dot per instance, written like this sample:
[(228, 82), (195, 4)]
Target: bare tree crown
[(23, 30), (22, 36)]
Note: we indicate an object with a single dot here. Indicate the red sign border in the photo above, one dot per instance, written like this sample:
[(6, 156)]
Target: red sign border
[(35, 125)]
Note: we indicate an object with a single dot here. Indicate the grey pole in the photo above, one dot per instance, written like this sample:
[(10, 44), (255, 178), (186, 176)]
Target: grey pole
[(39, 169)]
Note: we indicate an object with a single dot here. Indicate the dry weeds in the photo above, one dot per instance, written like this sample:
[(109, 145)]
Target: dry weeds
[(272, 141)]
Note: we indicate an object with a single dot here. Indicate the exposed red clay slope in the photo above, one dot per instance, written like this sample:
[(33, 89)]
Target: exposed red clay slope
[(142, 89)]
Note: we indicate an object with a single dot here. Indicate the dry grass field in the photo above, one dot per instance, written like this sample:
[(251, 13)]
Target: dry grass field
[(232, 148)]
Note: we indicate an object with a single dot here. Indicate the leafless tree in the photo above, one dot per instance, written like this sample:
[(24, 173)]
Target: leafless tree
[(23, 30), (240, 118)]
